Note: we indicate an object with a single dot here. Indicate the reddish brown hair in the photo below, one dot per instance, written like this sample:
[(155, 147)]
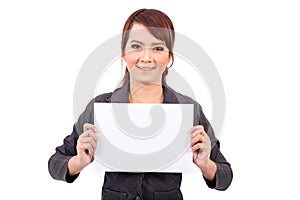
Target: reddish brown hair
[(158, 24)]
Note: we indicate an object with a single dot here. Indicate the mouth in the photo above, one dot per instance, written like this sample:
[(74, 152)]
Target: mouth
[(145, 69)]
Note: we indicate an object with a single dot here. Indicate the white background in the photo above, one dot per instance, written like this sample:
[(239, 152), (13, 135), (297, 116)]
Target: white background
[(254, 44)]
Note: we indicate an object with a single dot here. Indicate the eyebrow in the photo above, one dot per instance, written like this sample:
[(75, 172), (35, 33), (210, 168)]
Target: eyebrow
[(154, 43)]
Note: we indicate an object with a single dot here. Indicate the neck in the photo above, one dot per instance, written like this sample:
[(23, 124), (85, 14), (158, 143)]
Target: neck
[(146, 93)]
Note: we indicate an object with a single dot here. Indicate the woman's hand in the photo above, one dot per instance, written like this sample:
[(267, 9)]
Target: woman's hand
[(201, 146), (86, 144), (86, 147)]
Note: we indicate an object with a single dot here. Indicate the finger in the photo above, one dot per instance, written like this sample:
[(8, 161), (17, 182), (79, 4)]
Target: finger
[(86, 139), (88, 147), (94, 136), (198, 132), (88, 126), (197, 147), (94, 144), (202, 132), (89, 140), (197, 139), (195, 133), (194, 128), (89, 137), (81, 147), (89, 133), (85, 134)]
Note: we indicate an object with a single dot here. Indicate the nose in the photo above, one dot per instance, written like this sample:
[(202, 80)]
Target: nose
[(147, 56)]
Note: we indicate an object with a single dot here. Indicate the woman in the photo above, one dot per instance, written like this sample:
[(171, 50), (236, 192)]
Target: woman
[(147, 49)]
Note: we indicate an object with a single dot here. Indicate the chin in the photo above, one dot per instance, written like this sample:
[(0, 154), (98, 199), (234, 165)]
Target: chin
[(148, 81)]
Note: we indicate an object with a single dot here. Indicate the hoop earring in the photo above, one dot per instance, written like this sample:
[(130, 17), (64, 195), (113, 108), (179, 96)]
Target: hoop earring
[(168, 67), (171, 61)]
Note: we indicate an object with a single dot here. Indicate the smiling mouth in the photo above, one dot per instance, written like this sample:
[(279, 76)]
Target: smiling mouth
[(146, 69)]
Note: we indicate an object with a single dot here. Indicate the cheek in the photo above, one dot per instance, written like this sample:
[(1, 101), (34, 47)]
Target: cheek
[(163, 60), (131, 59)]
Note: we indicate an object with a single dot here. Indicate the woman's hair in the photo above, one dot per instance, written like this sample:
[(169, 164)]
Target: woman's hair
[(158, 24)]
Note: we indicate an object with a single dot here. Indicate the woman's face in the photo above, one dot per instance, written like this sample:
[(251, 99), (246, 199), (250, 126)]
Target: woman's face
[(146, 57)]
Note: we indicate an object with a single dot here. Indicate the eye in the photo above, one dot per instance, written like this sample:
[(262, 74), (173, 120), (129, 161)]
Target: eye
[(158, 48), (136, 46)]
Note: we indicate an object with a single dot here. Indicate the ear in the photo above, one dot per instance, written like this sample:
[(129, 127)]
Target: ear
[(123, 61), (123, 57)]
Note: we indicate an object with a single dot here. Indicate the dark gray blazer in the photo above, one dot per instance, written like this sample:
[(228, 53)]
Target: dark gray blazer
[(123, 185)]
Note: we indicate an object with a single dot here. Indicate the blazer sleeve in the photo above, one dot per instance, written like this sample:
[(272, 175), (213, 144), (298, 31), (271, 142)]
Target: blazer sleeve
[(224, 174), (58, 162)]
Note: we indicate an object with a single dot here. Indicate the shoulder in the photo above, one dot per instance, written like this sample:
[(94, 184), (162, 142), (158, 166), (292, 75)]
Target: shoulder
[(184, 99), (105, 97), (190, 100), (119, 95)]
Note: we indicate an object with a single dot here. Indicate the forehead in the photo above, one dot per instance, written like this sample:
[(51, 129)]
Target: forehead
[(141, 33)]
